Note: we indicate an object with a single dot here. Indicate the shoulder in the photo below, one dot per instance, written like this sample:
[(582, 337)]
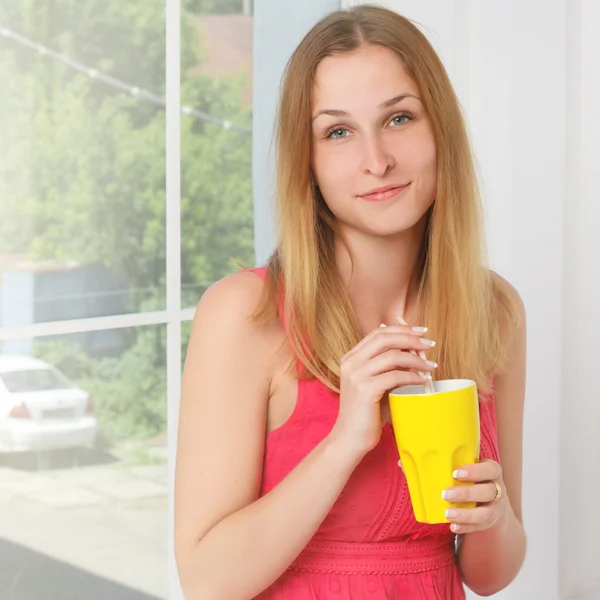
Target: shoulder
[(502, 285), (236, 296), (226, 320), (508, 300), (512, 319)]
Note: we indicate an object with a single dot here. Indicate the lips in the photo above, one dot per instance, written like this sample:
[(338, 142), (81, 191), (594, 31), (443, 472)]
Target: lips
[(383, 193)]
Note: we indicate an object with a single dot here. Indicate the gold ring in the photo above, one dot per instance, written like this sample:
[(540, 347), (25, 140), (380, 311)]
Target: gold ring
[(498, 491)]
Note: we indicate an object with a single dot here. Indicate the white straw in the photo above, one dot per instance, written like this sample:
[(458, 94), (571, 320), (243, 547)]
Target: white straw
[(429, 387)]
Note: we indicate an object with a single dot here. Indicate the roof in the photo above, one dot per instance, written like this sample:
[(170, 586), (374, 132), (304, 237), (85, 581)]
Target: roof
[(21, 262), (21, 363), (228, 40)]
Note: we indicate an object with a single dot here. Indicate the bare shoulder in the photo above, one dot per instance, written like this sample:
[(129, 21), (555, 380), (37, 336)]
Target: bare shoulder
[(512, 320), (225, 316), (511, 313), (503, 287), (236, 295)]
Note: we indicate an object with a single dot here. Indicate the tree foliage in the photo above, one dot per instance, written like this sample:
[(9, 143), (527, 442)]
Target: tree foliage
[(83, 170)]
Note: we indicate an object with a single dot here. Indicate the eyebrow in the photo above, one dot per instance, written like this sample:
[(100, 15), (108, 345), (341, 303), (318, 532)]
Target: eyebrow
[(387, 104)]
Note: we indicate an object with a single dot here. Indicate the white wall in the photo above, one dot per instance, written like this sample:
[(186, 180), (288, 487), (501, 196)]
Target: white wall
[(279, 26), (580, 410), (527, 74)]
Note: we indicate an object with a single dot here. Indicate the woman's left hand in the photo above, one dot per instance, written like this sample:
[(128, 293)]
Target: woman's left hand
[(492, 503)]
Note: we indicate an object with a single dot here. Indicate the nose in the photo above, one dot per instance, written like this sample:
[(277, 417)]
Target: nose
[(377, 159)]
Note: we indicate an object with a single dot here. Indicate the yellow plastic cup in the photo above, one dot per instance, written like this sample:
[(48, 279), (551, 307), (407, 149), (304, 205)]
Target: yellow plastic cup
[(436, 434)]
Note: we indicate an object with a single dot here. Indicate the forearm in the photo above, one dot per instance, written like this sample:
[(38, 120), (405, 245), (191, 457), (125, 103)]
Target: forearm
[(490, 560), (244, 553)]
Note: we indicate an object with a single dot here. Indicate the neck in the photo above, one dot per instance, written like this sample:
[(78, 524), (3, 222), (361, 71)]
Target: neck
[(383, 276)]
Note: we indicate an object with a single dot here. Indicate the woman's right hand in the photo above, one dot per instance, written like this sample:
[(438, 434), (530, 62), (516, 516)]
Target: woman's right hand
[(380, 362)]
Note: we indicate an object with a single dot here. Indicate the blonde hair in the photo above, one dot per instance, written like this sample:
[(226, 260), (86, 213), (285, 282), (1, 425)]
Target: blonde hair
[(466, 308)]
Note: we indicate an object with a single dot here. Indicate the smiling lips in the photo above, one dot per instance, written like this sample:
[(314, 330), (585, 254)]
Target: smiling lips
[(383, 193)]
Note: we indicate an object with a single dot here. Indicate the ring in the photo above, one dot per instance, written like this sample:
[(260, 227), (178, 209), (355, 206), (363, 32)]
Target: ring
[(498, 491)]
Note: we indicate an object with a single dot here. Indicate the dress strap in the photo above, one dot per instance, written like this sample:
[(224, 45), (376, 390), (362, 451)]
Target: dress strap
[(489, 425)]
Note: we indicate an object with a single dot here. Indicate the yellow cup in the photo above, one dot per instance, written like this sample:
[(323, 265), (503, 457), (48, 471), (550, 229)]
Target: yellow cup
[(436, 434)]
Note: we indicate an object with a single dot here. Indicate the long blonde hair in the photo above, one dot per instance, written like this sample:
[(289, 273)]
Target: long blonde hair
[(467, 309)]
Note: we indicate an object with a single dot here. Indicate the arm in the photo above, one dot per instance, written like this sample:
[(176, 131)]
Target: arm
[(489, 560), (221, 526)]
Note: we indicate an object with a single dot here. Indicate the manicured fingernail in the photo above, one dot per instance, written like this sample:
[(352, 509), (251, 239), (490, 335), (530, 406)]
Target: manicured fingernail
[(432, 364), (460, 474), (419, 329), (451, 513), (455, 527), (449, 494), (429, 343), (383, 325)]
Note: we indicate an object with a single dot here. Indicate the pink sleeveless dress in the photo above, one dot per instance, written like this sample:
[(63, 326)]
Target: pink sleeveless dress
[(369, 547)]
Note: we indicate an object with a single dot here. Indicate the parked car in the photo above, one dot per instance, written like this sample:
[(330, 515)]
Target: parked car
[(40, 409)]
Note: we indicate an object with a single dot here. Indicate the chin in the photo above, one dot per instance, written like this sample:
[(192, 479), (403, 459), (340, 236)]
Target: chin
[(391, 228), (396, 221)]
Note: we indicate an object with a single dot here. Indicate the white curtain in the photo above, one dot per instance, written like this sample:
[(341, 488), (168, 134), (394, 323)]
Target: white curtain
[(527, 75)]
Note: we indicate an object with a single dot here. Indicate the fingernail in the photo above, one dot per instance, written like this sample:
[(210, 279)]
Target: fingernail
[(432, 364), (429, 343), (455, 527), (419, 329), (383, 325), (460, 474), (451, 513), (449, 494)]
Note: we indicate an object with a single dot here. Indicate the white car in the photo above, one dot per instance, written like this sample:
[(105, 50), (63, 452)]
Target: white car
[(40, 409)]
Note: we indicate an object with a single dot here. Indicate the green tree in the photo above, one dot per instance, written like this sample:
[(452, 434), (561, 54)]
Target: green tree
[(82, 175), (85, 175)]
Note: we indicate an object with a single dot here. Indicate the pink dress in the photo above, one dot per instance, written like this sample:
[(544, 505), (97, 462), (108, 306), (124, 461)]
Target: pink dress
[(369, 547)]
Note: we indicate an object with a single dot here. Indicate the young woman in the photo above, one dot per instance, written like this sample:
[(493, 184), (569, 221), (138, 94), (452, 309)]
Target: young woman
[(288, 484)]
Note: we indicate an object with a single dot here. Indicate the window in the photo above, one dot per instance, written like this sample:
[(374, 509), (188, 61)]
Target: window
[(216, 143), (88, 309)]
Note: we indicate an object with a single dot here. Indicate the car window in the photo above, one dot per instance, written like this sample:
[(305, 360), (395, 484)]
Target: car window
[(34, 380)]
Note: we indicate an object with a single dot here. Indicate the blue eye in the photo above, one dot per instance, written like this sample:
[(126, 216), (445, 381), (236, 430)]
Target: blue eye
[(337, 134), (340, 133), (400, 120)]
